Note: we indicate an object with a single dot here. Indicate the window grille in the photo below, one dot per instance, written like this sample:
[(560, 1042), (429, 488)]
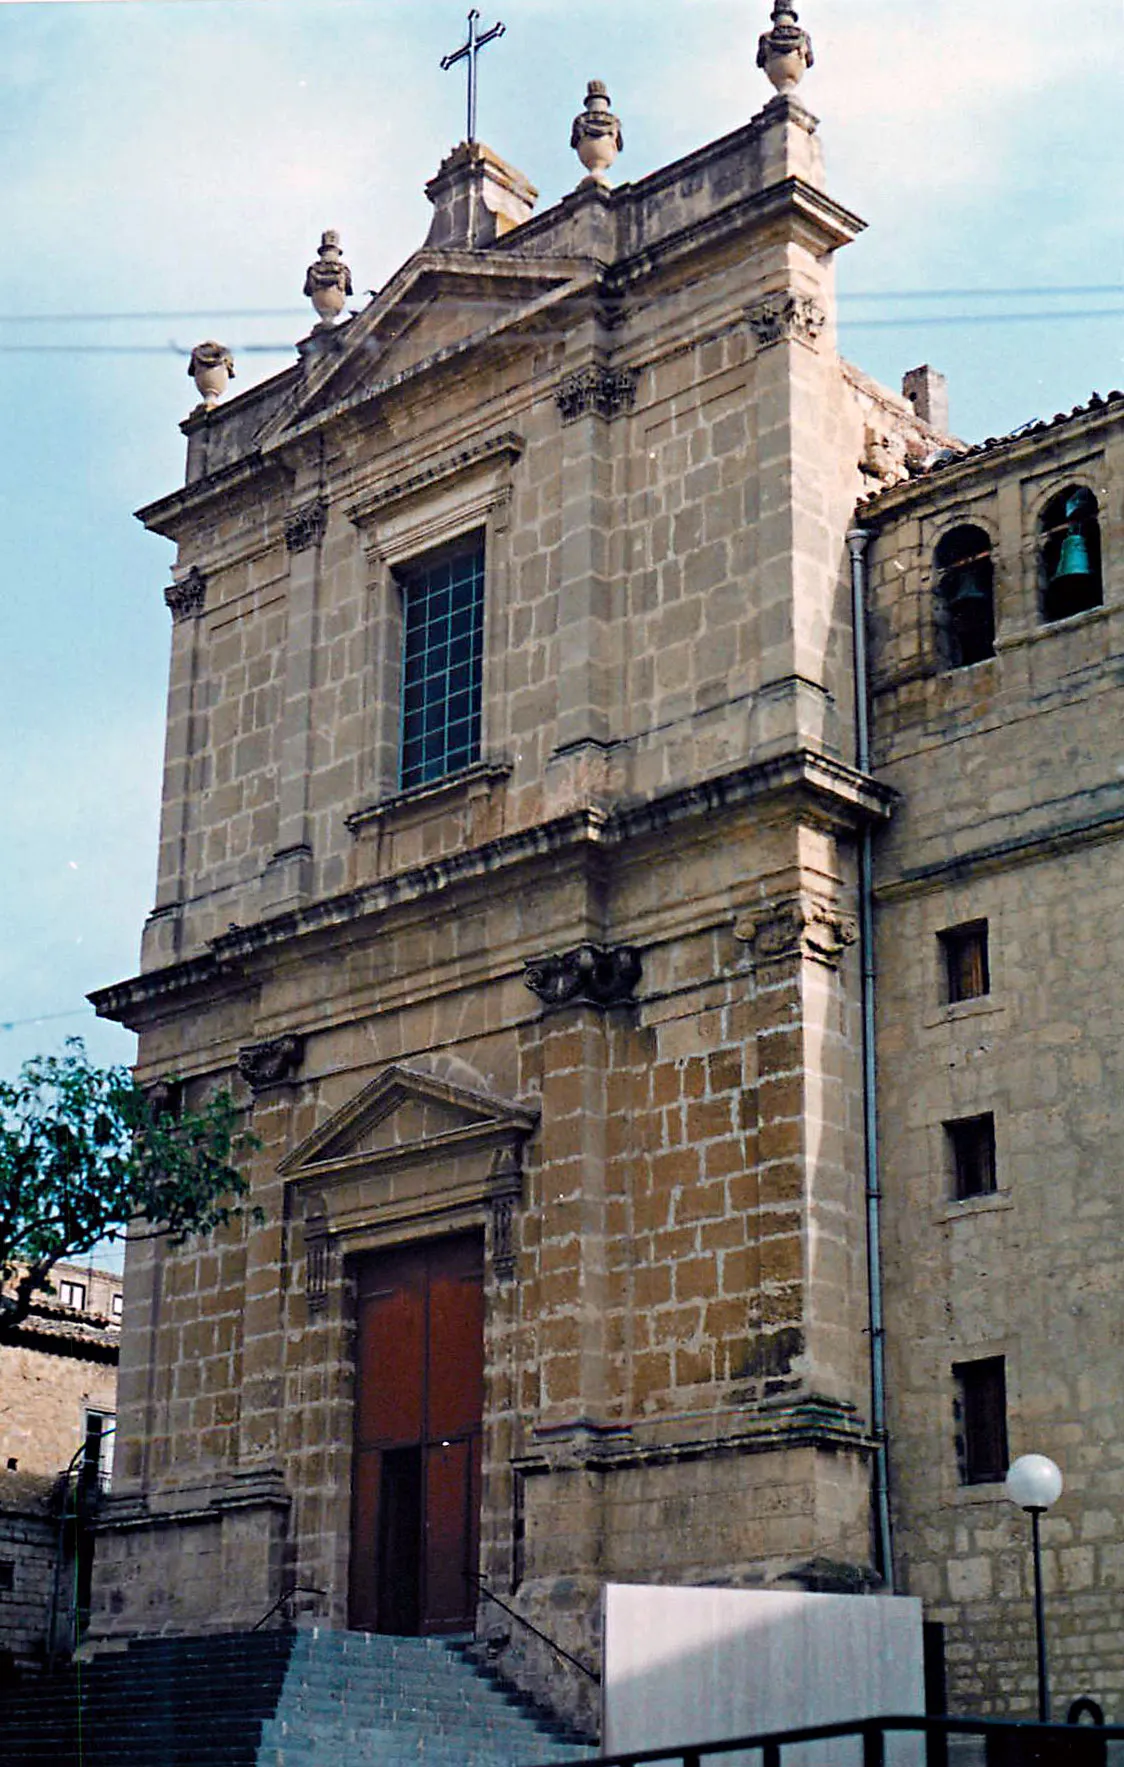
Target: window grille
[(442, 665), (967, 973), (981, 1408)]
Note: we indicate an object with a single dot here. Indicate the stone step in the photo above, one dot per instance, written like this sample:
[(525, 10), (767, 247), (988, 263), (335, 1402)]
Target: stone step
[(310, 1699)]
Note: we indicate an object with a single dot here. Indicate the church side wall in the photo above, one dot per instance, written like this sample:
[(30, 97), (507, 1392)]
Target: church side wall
[(1011, 817)]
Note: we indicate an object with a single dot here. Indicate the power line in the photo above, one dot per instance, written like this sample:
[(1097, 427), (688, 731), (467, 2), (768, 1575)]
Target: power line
[(43, 1018), (926, 319), (977, 294), (177, 350), (141, 317), (915, 321), (181, 313)]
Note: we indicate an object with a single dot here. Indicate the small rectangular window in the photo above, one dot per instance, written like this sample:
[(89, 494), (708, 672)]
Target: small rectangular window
[(72, 1294), (97, 1449), (981, 1411), (971, 1147), (966, 971), (442, 665), (117, 1305)]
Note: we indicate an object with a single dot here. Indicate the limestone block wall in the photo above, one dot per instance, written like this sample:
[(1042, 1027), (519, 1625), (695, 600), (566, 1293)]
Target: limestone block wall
[(663, 502), (688, 1305), (28, 1550), (636, 402), (1011, 815)]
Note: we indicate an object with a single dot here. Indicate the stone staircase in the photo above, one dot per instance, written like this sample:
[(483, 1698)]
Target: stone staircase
[(363, 1699), (278, 1699)]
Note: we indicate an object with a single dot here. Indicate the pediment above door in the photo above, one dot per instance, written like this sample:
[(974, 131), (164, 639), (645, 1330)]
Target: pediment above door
[(410, 1154)]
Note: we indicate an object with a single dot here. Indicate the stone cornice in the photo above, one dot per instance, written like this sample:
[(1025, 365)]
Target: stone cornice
[(824, 223), (829, 789), (757, 1430), (507, 446), (171, 515), (1025, 849)]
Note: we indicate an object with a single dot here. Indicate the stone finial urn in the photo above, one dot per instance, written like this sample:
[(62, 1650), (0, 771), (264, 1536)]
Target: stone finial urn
[(596, 135), (328, 281), (211, 368), (785, 52)]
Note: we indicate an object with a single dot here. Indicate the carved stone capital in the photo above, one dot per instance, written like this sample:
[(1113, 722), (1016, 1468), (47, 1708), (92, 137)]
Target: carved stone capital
[(605, 391), (272, 1063), (589, 975), (786, 318), (188, 598), (306, 526), (798, 927)]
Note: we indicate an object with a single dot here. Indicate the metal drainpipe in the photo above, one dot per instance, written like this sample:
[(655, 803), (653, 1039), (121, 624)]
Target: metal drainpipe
[(857, 540)]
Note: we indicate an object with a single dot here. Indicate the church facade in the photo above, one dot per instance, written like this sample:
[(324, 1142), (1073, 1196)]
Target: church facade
[(516, 856)]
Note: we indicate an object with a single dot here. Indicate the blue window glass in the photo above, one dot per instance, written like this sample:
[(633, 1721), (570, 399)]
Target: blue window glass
[(442, 655)]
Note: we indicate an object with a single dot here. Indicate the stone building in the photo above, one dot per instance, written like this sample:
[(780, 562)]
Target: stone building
[(997, 632), (518, 831), (58, 1384)]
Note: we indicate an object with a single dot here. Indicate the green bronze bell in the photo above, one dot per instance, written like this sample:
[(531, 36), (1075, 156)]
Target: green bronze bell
[(1073, 564), (968, 586)]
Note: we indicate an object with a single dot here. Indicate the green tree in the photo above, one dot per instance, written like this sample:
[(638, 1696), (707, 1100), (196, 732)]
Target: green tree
[(85, 1152)]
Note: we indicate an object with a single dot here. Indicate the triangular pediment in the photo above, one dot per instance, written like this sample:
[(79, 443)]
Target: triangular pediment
[(439, 305), (403, 1111)]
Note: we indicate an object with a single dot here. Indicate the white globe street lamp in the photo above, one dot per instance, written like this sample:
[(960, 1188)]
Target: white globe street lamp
[(1035, 1484)]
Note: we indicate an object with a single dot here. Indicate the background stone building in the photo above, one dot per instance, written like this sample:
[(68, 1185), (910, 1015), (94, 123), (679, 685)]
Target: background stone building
[(513, 860), (58, 1385), (997, 625)]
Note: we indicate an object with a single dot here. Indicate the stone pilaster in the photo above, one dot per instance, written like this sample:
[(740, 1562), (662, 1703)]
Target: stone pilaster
[(186, 599), (573, 1285), (588, 400), (288, 876)]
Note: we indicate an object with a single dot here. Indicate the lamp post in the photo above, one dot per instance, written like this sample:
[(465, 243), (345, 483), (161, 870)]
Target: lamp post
[(1035, 1484)]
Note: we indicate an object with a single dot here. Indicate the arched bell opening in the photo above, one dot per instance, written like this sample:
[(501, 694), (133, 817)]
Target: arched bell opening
[(965, 597), (1070, 554)]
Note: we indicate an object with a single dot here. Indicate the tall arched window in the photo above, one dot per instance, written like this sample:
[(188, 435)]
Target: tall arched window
[(965, 599), (1070, 554)]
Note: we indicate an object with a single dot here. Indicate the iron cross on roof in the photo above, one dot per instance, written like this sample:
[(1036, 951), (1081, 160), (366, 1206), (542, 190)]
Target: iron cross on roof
[(468, 52)]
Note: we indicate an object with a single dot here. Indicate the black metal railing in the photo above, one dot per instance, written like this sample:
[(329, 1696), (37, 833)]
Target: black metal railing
[(282, 1604), (1013, 1743), (543, 1637)]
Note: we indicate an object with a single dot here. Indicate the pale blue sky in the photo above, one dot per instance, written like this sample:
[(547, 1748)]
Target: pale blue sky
[(158, 156)]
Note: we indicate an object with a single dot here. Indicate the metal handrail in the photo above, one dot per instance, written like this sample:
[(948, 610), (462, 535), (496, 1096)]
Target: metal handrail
[(286, 1595), (871, 1731), (575, 1662)]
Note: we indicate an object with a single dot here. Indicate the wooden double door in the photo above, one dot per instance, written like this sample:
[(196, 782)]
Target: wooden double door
[(416, 1468)]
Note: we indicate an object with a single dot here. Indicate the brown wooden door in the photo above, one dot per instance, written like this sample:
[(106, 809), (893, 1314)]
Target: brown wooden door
[(416, 1470)]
